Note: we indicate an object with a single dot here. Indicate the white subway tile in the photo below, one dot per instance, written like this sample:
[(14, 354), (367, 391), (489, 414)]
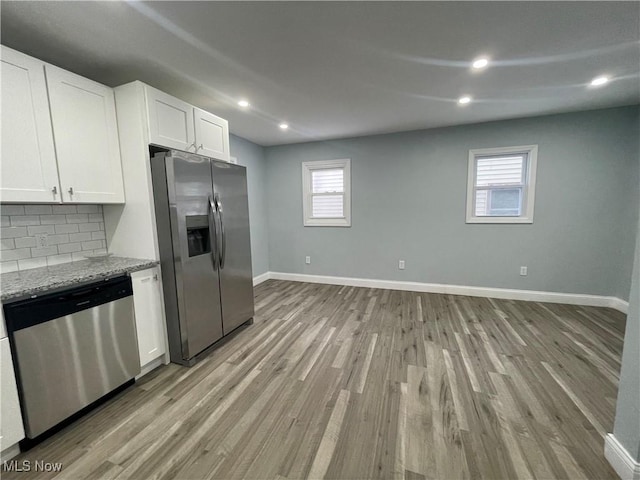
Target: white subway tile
[(52, 219), (88, 209), (6, 267), (12, 209), (25, 242), (58, 259), (68, 228), (57, 239), (24, 220), (13, 232), (96, 217), (89, 227), (7, 244), (100, 251), (97, 236), (80, 237), (65, 209), (69, 247), (15, 254), (75, 256), (44, 251), (35, 230), (32, 263), (101, 225), (92, 245), (78, 218), (37, 209), (5, 221)]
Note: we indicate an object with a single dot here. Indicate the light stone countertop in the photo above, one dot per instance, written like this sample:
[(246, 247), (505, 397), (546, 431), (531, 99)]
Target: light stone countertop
[(27, 283)]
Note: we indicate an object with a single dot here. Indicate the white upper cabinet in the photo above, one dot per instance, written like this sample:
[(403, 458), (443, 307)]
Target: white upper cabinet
[(170, 121), (85, 130), (28, 166), (59, 135), (212, 135), (177, 124)]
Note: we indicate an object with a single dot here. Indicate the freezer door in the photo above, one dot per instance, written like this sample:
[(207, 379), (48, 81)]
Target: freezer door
[(236, 277), (190, 194)]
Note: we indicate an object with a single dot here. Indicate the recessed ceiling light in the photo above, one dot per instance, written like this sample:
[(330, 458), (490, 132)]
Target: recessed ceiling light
[(599, 81), (480, 63), (284, 126), (243, 103), (464, 100)]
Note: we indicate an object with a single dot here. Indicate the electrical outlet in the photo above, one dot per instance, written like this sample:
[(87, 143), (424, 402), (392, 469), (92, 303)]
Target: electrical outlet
[(307, 260), (401, 264), (42, 240), (523, 271)]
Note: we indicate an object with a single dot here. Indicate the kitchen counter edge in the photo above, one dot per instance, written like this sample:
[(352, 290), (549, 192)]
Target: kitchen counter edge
[(20, 285)]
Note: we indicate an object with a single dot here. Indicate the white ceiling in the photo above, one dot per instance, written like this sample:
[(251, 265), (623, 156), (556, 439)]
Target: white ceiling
[(345, 69)]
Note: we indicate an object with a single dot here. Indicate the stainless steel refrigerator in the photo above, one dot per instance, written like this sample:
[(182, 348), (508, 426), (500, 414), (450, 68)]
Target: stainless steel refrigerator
[(202, 216)]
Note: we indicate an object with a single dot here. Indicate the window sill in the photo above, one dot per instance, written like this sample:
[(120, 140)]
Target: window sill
[(503, 220), (327, 222)]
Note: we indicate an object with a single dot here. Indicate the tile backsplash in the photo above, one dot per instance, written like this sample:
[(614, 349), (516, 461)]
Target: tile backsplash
[(34, 236)]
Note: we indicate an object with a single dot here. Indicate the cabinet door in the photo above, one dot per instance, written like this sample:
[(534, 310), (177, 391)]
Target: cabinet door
[(28, 168), (212, 135), (147, 300), (170, 121), (85, 129), (11, 429)]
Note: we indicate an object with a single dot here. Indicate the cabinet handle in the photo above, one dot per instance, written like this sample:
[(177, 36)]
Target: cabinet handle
[(70, 190), (155, 277), (54, 190), (199, 147), (193, 145)]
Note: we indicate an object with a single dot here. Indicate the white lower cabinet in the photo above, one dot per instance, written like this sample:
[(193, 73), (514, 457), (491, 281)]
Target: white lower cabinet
[(11, 429), (147, 301)]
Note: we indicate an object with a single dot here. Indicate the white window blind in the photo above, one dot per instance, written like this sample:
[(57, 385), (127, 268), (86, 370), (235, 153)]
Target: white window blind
[(326, 193), (501, 183)]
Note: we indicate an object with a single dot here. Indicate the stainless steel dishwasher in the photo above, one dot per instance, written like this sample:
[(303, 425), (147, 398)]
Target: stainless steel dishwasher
[(71, 348)]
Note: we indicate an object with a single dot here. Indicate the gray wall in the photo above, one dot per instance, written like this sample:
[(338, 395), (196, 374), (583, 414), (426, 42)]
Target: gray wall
[(627, 424), (252, 156), (408, 202)]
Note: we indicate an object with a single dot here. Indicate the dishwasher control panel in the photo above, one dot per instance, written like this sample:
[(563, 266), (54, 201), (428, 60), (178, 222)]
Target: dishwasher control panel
[(30, 312)]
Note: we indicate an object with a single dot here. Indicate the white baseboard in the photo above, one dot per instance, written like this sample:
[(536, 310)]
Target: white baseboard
[(619, 304), (621, 461), (504, 293), (261, 278)]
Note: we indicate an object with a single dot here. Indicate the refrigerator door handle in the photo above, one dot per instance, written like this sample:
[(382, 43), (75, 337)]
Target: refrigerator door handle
[(214, 233), (223, 247)]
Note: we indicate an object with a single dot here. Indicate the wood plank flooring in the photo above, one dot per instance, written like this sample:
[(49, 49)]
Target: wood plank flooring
[(354, 383)]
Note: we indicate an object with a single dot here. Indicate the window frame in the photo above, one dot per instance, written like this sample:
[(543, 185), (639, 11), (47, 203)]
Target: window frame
[(307, 193), (528, 186)]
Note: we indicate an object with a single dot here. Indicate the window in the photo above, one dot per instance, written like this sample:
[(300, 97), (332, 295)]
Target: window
[(501, 185), (326, 193)]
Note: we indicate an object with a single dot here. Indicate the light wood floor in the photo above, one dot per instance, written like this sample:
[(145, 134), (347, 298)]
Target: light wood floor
[(354, 383)]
